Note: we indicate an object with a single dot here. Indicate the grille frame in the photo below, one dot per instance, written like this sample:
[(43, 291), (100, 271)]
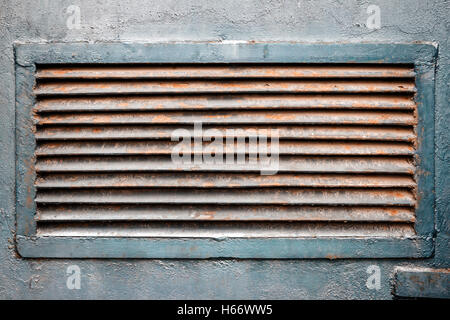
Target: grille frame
[(29, 244)]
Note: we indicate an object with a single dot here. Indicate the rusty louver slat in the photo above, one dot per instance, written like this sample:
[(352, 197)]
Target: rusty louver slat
[(140, 132), (316, 164), (160, 147), (347, 145), (215, 86), (236, 71), (213, 180), (243, 117), (170, 212)]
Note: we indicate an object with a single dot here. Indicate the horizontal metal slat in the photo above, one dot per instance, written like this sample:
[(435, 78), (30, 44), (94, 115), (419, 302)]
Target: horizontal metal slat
[(140, 132), (221, 71), (244, 118), (172, 212), (159, 147), (297, 196), (226, 229), (198, 86), (223, 102), (286, 164), (222, 180)]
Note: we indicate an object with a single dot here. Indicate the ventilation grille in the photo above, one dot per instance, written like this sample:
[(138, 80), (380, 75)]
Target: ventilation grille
[(346, 165)]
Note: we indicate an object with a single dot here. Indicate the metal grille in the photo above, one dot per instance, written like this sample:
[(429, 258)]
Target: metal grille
[(346, 165)]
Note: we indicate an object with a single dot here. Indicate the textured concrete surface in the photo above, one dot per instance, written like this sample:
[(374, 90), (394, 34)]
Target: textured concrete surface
[(203, 20)]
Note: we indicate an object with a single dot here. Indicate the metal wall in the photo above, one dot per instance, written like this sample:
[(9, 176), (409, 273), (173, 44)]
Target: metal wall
[(203, 20)]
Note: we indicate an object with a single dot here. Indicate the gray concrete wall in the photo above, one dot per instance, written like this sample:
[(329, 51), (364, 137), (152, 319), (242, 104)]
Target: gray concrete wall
[(210, 20)]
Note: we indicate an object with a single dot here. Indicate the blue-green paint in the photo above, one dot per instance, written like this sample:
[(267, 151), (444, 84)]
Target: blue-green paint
[(30, 54), (422, 283), (280, 248)]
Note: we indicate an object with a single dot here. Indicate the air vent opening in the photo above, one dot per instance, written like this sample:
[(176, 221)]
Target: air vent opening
[(346, 142)]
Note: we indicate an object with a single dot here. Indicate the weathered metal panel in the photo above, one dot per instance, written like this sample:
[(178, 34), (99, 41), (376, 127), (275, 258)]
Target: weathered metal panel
[(25, 145), (347, 144), (211, 52), (324, 22), (422, 283), (254, 248)]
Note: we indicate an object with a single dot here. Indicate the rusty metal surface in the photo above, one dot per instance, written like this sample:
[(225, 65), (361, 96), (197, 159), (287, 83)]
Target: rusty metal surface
[(234, 117), (305, 132), (214, 86), (286, 196), (169, 212), (286, 164), (223, 102), (224, 229), (347, 147), (221, 71), (422, 283), (212, 180), (159, 147)]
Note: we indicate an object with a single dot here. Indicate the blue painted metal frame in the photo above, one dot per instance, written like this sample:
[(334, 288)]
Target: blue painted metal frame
[(422, 283), (30, 245)]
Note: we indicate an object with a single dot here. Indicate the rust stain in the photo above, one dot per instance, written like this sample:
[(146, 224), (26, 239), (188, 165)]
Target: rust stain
[(209, 215), (101, 119), (393, 212), (162, 118), (180, 85), (280, 116), (208, 184)]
